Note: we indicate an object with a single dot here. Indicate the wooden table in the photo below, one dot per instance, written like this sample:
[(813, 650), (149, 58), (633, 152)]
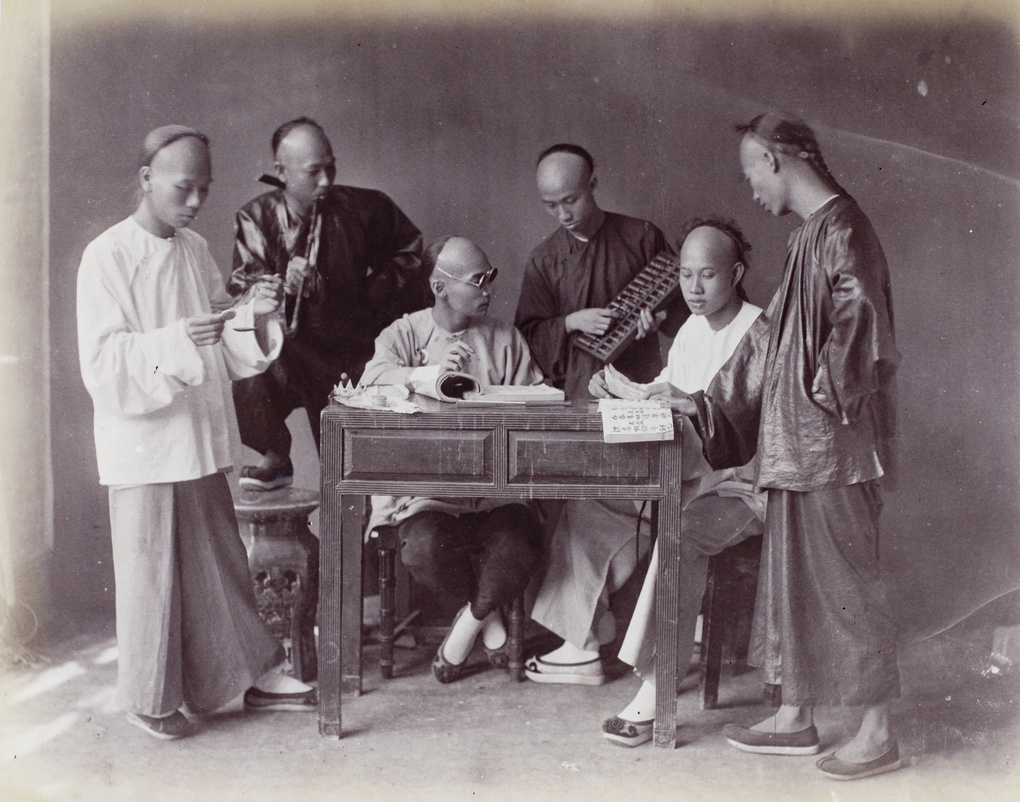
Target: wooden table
[(510, 452)]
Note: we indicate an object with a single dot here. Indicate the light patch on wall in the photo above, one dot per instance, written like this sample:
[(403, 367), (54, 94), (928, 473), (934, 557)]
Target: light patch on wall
[(922, 88)]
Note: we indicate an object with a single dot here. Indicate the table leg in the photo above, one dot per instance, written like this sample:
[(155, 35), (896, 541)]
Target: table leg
[(352, 520), (667, 601), (516, 635), (330, 603)]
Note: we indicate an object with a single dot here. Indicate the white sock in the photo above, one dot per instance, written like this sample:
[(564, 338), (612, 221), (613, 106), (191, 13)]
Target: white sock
[(606, 629), (493, 630), (461, 638), (642, 706), (275, 681), (568, 653)]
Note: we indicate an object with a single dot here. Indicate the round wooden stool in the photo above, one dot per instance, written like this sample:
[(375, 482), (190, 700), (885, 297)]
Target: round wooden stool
[(283, 556)]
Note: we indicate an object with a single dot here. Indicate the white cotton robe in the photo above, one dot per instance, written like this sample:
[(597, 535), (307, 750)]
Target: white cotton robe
[(187, 626)]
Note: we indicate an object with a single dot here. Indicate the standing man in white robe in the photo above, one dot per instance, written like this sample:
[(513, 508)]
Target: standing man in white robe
[(157, 356)]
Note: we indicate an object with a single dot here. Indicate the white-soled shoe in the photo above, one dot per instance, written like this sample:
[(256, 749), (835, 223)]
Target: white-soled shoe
[(621, 732), (590, 672)]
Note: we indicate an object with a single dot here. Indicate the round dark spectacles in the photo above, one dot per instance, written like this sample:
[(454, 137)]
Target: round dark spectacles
[(479, 281)]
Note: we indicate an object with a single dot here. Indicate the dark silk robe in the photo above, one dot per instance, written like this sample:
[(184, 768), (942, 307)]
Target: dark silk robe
[(565, 275), (369, 258), (810, 388), (810, 392)]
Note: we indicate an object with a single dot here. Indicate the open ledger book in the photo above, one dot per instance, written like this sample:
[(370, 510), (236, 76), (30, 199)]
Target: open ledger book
[(465, 389)]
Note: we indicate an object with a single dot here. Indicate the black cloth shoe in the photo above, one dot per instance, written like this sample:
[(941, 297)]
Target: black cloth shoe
[(832, 766), (256, 478), (168, 728), (802, 742)]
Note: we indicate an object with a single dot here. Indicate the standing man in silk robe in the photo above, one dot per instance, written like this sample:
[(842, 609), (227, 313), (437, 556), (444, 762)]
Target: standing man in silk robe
[(568, 282), (809, 390), (351, 262)]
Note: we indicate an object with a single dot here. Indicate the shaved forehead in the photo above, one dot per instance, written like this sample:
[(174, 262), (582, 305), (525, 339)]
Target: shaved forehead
[(752, 147), (462, 258), (563, 169), (709, 245), (305, 141), (188, 156)]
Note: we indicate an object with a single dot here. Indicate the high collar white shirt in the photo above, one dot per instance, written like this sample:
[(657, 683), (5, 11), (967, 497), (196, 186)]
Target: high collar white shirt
[(694, 358), (163, 408)]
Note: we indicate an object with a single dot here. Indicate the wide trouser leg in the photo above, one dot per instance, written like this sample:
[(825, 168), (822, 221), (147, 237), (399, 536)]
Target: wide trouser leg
[(593, 552), (262, 404), (823, 625), (485, 558), (510, 550), (226, 646), (436, 552), (187, 626), (147, 599), (709, 525), (312, 375)]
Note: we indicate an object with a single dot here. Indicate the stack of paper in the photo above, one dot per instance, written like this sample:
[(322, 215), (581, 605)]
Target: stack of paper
[(516, 394)]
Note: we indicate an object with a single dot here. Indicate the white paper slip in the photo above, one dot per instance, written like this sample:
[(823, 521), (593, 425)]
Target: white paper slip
[(622, 387), (635, 421)]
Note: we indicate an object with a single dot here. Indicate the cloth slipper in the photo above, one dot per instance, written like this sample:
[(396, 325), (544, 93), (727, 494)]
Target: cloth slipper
[(499, 658), (442, 669), (256, 478), (802, 742), (266, 702), (619, 731), (587, 673), (831, 766), (168, 728)]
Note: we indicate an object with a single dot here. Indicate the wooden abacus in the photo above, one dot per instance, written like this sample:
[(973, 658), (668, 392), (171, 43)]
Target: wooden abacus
[(655, 286)]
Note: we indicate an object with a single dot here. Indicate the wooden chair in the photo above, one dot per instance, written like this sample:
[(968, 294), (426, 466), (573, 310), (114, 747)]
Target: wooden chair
[(727, 611)]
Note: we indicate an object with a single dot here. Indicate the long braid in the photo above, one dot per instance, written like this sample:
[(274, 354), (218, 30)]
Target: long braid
[(792, 137), (810, 152)]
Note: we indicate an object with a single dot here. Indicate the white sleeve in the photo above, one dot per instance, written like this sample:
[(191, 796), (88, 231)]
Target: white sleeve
[(127, 371), (242, 354)]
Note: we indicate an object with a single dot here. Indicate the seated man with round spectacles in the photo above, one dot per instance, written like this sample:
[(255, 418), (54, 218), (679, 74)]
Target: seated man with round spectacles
[(482, 551)]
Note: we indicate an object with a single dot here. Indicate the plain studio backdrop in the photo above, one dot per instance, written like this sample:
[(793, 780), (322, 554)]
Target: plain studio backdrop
[(445, 106)]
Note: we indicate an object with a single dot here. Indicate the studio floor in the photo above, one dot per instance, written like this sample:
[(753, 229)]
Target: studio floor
[(487, 737)]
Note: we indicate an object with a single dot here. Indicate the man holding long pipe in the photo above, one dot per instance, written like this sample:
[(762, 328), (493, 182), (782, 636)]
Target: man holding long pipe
[(350, 259)]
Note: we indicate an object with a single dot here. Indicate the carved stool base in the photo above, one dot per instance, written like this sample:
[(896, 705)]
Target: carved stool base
[(283, 557)]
